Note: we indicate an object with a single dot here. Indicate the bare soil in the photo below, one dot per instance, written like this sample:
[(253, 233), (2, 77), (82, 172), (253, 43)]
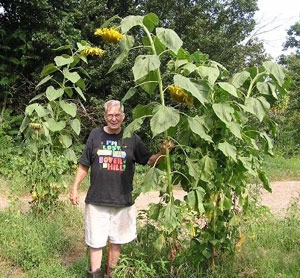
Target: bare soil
[(283, 194)]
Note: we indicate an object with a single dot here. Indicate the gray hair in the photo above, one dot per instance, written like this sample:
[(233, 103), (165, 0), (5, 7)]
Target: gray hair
[(111, 103)]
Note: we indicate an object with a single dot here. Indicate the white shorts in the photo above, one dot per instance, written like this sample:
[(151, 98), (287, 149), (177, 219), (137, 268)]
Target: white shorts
[(114, 224)]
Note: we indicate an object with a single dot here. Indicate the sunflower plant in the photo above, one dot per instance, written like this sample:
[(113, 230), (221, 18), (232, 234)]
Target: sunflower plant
[(220, 126)]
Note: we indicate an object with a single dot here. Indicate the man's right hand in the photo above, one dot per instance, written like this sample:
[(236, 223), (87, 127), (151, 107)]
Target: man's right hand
[(74, 196)]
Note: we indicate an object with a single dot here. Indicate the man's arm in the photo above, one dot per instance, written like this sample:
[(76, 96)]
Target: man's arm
[(82, 172)]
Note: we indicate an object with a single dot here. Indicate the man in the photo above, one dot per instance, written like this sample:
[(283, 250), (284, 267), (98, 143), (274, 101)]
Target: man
[(110, 214)]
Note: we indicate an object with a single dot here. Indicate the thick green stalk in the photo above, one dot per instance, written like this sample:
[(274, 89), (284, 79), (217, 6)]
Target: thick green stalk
[(166, 137)]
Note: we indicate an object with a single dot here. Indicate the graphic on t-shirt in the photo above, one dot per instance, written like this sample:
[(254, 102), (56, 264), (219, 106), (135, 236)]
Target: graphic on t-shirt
[(111, 156)]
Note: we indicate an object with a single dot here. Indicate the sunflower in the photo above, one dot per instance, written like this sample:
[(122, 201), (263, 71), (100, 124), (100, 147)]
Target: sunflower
[(109, 35), (179, 95), (92, 51)]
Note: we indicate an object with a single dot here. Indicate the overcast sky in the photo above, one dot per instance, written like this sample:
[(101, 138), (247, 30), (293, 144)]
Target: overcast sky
[(278, 15)]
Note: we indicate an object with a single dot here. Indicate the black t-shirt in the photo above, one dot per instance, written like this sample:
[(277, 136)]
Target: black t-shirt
[(112, 161)]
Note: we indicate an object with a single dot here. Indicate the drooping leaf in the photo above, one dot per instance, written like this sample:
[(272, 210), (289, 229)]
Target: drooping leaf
[(118, 61), (130, 93), (228, 88), (257, 106), (164, 118), (130, 21), (266, 184), (80, 93), (75, 125), (69, 108), (276, 70), (207, 168), (228, 150), (30, 108), (186, 84), (223, 111), (240, 78), (44, 80), (197, 126), (144, 64), (169, 38), (211, 73), (151, 179)]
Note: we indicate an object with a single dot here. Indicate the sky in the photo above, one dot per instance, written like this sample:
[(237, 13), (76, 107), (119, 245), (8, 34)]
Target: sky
[(274, 18)]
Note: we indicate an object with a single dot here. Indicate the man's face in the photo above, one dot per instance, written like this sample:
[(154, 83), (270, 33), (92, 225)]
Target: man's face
[(114, 118)]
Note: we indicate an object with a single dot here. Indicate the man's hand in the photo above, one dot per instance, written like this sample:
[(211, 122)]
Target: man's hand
[(166, 144), (74, 196)]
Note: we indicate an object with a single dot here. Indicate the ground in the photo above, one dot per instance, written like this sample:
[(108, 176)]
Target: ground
[(283, 193)]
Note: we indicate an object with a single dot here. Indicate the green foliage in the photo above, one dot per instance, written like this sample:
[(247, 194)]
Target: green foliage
[(220, 125)]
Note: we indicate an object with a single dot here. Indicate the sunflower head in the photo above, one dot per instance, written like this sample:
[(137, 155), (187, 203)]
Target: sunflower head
[(179, 95), (109, 35)]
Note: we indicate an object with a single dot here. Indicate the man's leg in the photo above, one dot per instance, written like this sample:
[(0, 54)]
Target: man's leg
[(113, 254), (95, 258)]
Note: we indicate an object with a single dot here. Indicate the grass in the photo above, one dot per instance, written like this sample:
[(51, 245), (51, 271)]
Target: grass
[(282, 168)]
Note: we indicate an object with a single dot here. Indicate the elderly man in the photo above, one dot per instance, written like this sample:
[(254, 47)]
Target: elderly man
[(110, 214)]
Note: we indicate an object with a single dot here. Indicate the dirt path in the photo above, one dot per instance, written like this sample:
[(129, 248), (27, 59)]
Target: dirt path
[(283, 193)]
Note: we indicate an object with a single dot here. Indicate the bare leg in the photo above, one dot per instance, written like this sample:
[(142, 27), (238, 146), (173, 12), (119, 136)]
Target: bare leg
[(95, 258), (114, 254)]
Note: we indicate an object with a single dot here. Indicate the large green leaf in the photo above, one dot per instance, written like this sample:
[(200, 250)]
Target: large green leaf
[(30, 108), (228, 150), (163, 119), (169, 38), (132, 127), (151, 20), (211, 73), (75, 125), (194, 169), (223, 111), (267, 88), (144, 64), (62, 61), (54, 125), (276, 70), (235, 129), (151, 179), (196, 90), (41, 111), (69, 108), (169, 216), (257, 106), (194, 199), (53, 94), (197, 126), (72, 76), (228, 88), (79, 92), (130, 21), (240, 78)]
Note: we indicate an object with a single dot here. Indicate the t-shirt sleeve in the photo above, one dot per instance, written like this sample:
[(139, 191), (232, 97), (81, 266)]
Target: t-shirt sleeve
[(86, 156), (141, 152)]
